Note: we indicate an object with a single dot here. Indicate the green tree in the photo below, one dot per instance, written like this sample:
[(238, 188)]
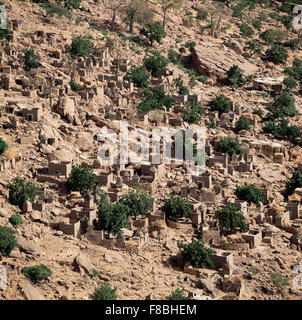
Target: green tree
[(249, 193), (230, 219), (81, 179), (104, 292), (8, 241), (242, 124), (31, 60), (285, 103), (154, 32), (156, 64), (112, 217), (37, 273), (20, 191), (246, 30), (229, 146), (177, 295), (139, 203), (287, 21), (75, 86), (220, 104), (294, 183), (81, 46), (6, 34), (197, 254), (290, 83), (268, 36), (193, 112), (235, 76), (15, 219), (155, 99), (176, 208), (276, 54), (138, 76), (3, 146)]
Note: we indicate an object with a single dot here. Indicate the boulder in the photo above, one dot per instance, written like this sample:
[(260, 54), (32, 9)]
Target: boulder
[(83, 264), (211, 59), (26, 246), (31, 293)]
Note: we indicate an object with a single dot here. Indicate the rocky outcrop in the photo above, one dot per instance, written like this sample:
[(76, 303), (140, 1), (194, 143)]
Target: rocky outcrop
[(210, 59)]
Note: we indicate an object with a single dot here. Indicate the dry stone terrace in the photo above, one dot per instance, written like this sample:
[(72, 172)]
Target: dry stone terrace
[(50, 128)]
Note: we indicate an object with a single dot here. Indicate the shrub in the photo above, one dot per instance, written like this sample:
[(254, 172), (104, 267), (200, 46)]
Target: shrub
[(190, 45), (276, 54), (139, 203), (155, 100), (254, 48), (8, 241), (20, 191), (110, 116), (154, 32), (37, 273), (258, 111), (268, 36), (81, 46), (290, 83), (242, 124), (294, 183), (197, 254), (72, 4), (174, 57), (178, 83), (81, 179), (285, 103), (52, 9), (229, 146), (112, 217), (246, 30), (156, 64), (285, 7), (279, 281), (31, 60), (15, 219), (3, 146), (176, 208), (257, 24), (220, 104), (287, 21), (249, 193), (75, 86), (230, 219), (177, 295), (6, 34), (235, 76), (138, 76), (104, 292), (296, 70), (193, 112), (282, 130)]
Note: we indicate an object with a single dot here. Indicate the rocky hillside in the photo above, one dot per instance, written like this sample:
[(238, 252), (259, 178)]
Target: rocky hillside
[(73, 71)]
